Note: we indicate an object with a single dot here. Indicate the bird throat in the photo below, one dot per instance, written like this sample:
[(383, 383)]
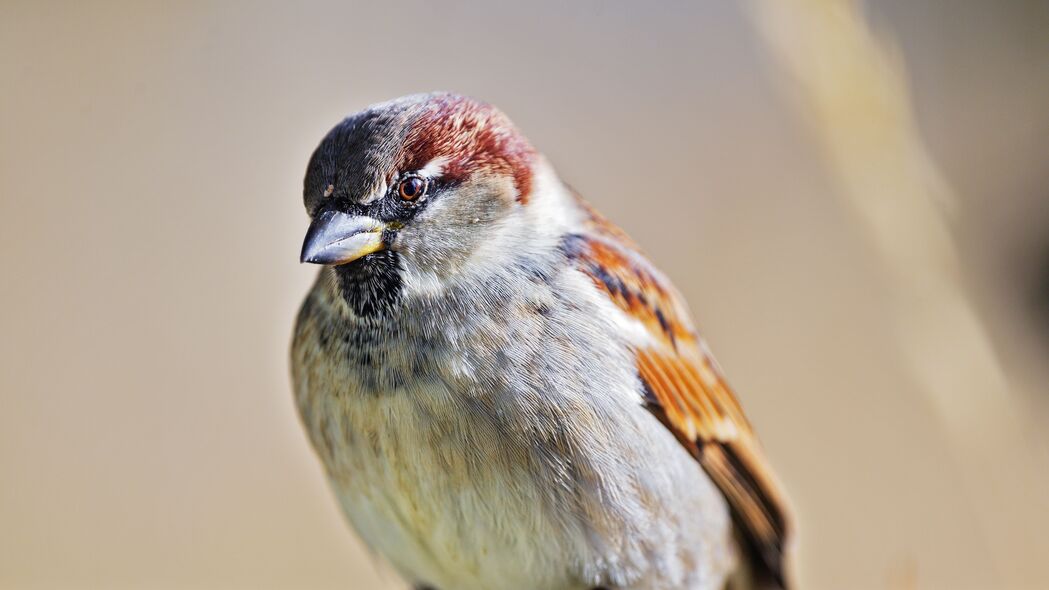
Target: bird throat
[(371, 285)]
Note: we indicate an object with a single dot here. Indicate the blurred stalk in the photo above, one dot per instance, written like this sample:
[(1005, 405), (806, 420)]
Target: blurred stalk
[(852, 88)]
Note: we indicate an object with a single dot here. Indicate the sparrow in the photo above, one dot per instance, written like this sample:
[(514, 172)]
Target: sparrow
[(504, 392)]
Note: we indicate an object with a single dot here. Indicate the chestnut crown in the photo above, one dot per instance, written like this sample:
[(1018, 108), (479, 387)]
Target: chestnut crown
[(412, 183)]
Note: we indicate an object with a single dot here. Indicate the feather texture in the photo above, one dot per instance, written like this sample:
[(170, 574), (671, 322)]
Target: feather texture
[(685, 388), (491, 423)]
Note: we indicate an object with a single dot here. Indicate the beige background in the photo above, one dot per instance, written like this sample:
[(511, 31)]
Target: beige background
[(150, 179)]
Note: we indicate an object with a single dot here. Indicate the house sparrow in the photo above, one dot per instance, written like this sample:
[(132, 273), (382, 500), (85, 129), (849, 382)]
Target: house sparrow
[(504, 392)]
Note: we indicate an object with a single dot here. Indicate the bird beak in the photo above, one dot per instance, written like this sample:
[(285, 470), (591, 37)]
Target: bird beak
[(337, 238)]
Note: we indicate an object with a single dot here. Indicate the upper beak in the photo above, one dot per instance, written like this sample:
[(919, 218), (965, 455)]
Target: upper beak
[(337, 238)]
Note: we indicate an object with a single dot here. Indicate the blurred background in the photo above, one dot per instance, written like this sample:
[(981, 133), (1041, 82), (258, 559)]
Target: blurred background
[(860, 222)]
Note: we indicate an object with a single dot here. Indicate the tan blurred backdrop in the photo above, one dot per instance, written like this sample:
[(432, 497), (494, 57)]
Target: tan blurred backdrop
[(151, 158)]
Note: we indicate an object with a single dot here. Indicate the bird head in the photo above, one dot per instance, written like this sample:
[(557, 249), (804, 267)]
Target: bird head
[(412, 193)]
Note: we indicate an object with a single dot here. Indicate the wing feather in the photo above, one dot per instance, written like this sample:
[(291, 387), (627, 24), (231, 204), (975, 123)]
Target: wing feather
[(685, 389)]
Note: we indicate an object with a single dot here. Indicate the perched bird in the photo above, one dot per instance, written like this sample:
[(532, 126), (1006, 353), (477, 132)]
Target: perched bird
[(505, 394)]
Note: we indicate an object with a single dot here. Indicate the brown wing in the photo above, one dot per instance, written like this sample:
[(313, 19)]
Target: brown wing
[(686, 390)]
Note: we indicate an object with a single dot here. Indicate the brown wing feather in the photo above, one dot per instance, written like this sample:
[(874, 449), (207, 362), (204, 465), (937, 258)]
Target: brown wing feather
[(686, 390)]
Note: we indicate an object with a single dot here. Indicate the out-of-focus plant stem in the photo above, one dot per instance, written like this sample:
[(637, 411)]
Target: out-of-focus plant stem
[(851, 87)]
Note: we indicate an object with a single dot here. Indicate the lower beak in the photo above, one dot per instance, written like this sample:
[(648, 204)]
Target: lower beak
[(337, 238)]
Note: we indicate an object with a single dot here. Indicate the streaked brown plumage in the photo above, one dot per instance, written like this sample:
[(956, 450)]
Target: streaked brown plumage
[(495, 376), (686, 389)]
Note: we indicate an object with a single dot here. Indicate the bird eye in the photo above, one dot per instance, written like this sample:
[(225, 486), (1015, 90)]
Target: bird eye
[(412, 188)]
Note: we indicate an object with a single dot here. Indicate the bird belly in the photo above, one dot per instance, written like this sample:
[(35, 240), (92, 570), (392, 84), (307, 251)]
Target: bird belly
[(453, 501), (449, 511), (469, 466)]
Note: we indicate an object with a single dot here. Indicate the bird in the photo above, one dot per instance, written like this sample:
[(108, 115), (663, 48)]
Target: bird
[(504, 392)]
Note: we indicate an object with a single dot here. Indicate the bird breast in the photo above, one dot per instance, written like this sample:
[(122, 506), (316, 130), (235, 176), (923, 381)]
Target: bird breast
[(501, 443)]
